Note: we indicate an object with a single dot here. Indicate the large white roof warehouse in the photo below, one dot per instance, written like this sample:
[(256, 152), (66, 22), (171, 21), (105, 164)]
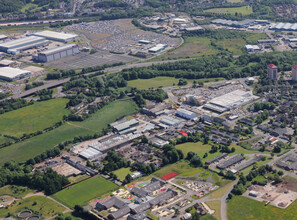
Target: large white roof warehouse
[(11, 74), (56, 36), (230, 100)]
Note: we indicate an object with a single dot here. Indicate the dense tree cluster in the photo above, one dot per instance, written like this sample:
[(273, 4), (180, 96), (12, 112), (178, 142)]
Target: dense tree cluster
[(13, 104), (114, 161), (263, 106), (48, 181)]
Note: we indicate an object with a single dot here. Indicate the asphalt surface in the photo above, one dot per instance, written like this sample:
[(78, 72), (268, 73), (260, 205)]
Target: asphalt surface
[(52, 84)]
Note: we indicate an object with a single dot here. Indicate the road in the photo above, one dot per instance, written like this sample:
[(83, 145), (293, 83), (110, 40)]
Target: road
[(52, 84), (188, 195)]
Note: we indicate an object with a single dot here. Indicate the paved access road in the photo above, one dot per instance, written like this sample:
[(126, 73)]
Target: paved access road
[(55, 83)]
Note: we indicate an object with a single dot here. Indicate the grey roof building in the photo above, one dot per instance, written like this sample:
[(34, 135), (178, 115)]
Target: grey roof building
[(119, 213), (113, 202), (139, 216)]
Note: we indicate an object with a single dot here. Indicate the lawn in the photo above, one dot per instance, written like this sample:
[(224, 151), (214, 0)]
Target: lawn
[(192, 47), (220, 192), (32, 118), (34, 146), (164, 81), (122, 173), (197, 147), (215, 205), (240, 207), (15, 191), (4, 139), (244, 10), (153, 83), (83, 192), (39, 204)]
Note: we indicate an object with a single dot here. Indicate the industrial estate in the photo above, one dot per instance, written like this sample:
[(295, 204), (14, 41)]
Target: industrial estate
[(148, 109)]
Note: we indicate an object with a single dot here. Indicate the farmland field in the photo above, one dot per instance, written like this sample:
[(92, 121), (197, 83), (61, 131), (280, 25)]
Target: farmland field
[(43, 206), (243, 208), (244, 10), (30, 148), (83, 192), (32, 118), (122, 173)]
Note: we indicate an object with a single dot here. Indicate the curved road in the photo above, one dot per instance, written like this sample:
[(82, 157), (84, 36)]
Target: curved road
[(56, 83)]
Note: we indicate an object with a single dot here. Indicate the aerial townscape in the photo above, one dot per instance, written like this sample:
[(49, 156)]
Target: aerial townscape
[(148, 109)]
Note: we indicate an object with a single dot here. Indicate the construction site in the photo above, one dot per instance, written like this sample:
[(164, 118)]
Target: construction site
[(280, 195)]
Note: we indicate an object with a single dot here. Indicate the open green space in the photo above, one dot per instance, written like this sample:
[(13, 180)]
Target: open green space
[(122, 173), (4, 139), (75, 179), (39, 204), (196, 46), (240, 207), (215, 205), (32, 118), (153, 83), (36, 145), (220, 192), (164, 81), (15, 191), (201, 149), (83, 192), (244, 10)]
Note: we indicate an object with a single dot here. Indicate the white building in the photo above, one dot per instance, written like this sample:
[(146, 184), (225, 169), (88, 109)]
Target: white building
[(11, 74), (252, 48), (57, 53), (185, 114), (21, 44), (56, 36)]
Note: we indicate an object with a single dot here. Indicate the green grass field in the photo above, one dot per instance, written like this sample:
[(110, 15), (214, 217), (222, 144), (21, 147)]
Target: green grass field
[(15, 191), (164, 81), (32, 118), (34, 146), (244, 10), (44, 206), (83, 192), (122, 173), (153, 82), (198, 46), (215, 205), (243, 208)]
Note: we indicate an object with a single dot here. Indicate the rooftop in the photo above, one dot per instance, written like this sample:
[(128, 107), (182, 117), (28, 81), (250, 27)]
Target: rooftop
[(11, 72), (54, 50), (272, 66), (57, 35)]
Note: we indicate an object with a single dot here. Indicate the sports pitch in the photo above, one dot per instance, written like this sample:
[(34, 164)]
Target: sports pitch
[(83, 192)]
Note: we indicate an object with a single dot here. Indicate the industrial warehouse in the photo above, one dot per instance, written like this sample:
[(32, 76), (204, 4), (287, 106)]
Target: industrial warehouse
[(229, 101), (12, 74), (56, 53), (25, 43), (56, 36), (284, 27)]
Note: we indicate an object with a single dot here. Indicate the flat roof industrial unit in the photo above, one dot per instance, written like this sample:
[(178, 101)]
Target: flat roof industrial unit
[(56, 36), (11, 74), (2, 36), (158, 48), (231, 161), (170, 121), (114, 142), (58, 49), (230, 100), (20, 42), (90, 153), (125, 125)]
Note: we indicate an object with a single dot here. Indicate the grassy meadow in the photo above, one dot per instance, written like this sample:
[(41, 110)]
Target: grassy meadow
[(29, 148), (244, 10), (83, 192), (32, 118), (240, 207)]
